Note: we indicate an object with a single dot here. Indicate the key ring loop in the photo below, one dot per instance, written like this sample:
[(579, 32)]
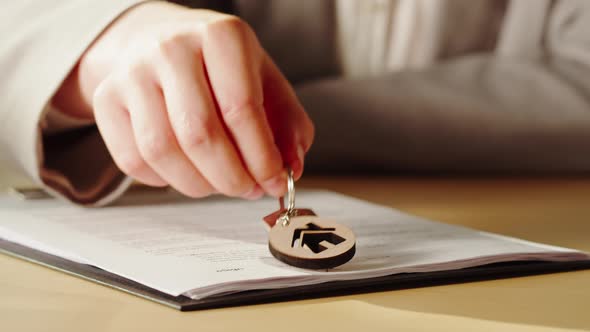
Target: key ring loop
[(285, 218), (290, 192)]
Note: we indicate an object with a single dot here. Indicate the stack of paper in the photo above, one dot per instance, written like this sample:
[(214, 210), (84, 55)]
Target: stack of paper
[(216, 246)]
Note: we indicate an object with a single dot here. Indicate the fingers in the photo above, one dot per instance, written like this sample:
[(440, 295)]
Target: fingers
[(114, 125), (206, 112), (195, 122), (233, 60), (155, 139), (292, 128)]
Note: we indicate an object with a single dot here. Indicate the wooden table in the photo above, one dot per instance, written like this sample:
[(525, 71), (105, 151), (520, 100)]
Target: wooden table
[(549, 210)]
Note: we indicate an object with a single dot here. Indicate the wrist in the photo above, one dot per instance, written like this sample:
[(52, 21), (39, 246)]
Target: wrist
[(75, 95)]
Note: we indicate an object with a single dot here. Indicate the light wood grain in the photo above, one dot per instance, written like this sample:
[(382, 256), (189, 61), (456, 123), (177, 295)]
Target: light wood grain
[(550, 210)]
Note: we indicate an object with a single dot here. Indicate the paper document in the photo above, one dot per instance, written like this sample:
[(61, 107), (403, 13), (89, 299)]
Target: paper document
[(216, 246)]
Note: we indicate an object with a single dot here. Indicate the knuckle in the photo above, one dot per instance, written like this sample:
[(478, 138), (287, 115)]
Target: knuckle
[(198, 133), (132, 73), (166, 49), (155, 148), (102, 94), (245, 110), (228, 26)]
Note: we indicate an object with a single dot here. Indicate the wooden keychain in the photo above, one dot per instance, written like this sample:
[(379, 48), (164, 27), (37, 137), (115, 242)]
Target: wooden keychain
[(300, 238)]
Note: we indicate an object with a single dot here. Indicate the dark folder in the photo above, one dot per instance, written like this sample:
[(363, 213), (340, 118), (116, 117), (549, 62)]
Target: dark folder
[(392, 282)]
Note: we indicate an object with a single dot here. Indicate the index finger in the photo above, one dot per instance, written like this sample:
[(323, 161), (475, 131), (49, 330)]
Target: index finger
[(233, 61)]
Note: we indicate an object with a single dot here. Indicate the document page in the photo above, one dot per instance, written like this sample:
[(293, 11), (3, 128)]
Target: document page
[(218, 245)]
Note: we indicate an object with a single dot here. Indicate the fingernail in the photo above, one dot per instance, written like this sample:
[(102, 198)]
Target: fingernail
[(300, 157), (254, 194), (300, 153), (297, 164), (277, 185)]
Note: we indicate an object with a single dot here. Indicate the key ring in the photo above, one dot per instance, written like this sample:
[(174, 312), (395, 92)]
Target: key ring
[(284, 219), (290, 191)]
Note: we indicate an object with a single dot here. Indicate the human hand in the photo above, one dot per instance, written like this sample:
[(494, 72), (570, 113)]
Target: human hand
[(189, 98)]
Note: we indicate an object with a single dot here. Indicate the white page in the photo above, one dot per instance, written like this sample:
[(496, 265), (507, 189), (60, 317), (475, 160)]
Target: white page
[(171, 244), (219, 245)]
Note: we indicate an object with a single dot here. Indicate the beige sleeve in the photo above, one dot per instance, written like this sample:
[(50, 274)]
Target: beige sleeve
[(42, 41)]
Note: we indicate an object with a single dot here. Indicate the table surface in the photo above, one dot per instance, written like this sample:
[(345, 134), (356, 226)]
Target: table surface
[(550, 210)]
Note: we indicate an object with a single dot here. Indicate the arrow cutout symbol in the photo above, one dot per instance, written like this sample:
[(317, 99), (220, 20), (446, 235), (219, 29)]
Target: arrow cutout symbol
[(316, 238)]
